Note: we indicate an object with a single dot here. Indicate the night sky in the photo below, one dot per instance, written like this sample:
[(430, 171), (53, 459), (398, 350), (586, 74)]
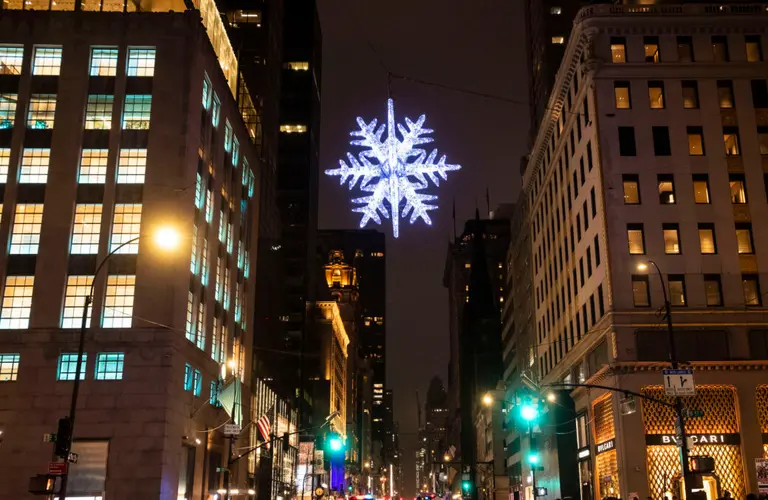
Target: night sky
[(476, 45)]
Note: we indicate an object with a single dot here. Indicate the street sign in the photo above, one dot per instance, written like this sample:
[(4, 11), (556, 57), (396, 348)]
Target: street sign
[(231, 430), (57, 468), (679, 382)]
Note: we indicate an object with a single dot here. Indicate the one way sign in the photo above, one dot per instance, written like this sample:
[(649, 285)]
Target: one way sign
[(679, 383)]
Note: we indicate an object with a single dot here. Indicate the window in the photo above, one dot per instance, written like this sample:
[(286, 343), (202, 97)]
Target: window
[(762, 140), (103, 61), (206, 92), (98, 112), (193, 380), (137, 112), (651, 49), (17, 302), (25, 233), (618, 50), (42, 108), (8, 110), (78, 288), (555, 11), (725, 94), (690, 94), (227, 136), (86, 229), (558, 40), (235, 152), (640, 292), (695, 141), (141, 62), (11, 59), (293, 129), (684, 49), (759, 93), (304, 65), (126, 227), (738, 189), (627, 141), (661, 144), (93, 166), (67, 369), (9, 364), (751, 287), (131, 166), (118, 306), (46, 61), (713, 290), (701, 188), (636, 239), (656, 94), (744, 242), (676, 290), (720, 48), (666, 189), (197, 383), (5, 162), (216, 110), (622, 95), (754, 49), (109, 365), (671, 239), (34, 166), (731, 141)]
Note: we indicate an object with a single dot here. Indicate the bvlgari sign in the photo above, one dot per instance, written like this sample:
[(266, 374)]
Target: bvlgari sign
[(605, 446), (671, 440)]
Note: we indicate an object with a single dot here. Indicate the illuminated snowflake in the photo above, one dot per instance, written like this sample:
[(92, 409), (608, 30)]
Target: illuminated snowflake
[(393, 170)]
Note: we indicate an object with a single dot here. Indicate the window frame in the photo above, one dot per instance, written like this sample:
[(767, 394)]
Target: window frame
[(710, 279), (696, 131), (622, 85), (135, 65), (701, 178), (107, 360), (677, 278), (11, 319), (656, 85), (55, 53), (754, 278), (641, 278), (66, 367), (670, 179), (707, 226), (693, 86), (636, 227), (672, 228), (96, 63)]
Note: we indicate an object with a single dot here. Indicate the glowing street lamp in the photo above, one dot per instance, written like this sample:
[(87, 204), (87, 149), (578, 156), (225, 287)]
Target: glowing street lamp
[(488, 399)]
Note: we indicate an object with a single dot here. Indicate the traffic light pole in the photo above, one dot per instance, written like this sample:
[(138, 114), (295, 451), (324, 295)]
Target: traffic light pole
[(533, 466)]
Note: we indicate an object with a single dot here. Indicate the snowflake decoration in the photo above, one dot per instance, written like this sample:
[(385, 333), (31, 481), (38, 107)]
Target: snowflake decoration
[(393, 171)]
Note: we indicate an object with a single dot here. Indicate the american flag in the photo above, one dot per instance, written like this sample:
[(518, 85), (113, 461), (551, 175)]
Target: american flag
[(264, 428)]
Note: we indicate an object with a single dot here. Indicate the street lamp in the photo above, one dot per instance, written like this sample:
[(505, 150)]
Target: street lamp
[(166, 239), (488, 399), (551, 397), (446, 458)]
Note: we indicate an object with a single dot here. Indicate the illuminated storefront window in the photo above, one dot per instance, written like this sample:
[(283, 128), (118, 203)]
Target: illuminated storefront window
[(606, 463)]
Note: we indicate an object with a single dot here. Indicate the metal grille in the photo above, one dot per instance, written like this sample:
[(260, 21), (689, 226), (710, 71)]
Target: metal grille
[(606, 464), (604, 427), (720, 416), (761, 397)]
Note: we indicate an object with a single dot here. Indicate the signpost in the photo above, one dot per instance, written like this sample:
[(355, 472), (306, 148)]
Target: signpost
[(231, 430), (679, 382), (57, 468)]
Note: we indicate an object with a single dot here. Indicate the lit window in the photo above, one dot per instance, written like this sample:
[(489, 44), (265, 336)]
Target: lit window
[(17, 302), (67, 369), (200, 328), (11, 59), (126, 226), (78, 288), (204, 260), (671, 239), (754, 50), (731, 141), (141, 62), (86, 229), (103, 61), (713, 290), (651, 49), (47, 61), (245, 17), (635, 239), (690, 95), (558, 40), (725, 94), (618, 50), (293, 129), (199, 191), (206, 92), (98, 112), (666, 189), (656, 94), (9, 366), (118, 306), (738, 189), (235, 151), (109, 365), (188, 380), (701, 188), (193, 380), (695, 141), (751, 287), (190, 323), (640, 295), (93, 166), (34, 166), (227, 136), (8, 110), (25, 234), (137, 112), (621, 95), (676, 290), (555, 11), (297, 66), (131, 166), (216, 111), (209, 206), (744, 238), (5, 162), (42, 108), (217, 287)]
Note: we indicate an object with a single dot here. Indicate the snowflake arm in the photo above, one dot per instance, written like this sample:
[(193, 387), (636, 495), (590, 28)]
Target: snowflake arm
[(359, 169), (415, 201), (372, 204), (421, 167)]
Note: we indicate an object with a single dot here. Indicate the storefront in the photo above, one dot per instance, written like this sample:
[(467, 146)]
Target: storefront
[(716, 434), (606, 460), (761, 397), (584, 457)]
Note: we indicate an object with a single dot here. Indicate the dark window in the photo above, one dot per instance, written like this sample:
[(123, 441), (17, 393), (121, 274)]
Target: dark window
[(691, 345), (690, 94), (589, 155), (597, 252), (600, 301), (754, 48), (759, 93), (725, 94), (627, 141), (720, 48), (684, 49), (592, 312), (758, 344), (661, 145), (594, 202), (589, 262)]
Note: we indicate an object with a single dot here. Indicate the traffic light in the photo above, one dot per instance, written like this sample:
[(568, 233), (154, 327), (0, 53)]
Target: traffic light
[(534, 458), (466, 486), (334, 445), (529, 412), (63, 438)]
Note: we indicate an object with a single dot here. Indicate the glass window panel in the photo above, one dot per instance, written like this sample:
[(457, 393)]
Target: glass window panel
[(640, 296), (622, 97), (666, 190), (651, 50), (109, 365), (103, 61), (25, 233), (695, 143), (138, 109), (701, 191), (17, 302), (744, 240), (131, 166), (690, 95), (684, 49), (216, 111), (126, 226), (5, 163), (227, 136), (636, 244), (618, 52), (762, 139), (677, 291), (754, 51), (8, 104), (46, 61), (98, 112), (86, 229), (725, 95), (656, 97), (42, 108), (189, 382), (720, 48), (197, 383), (751, 288), (78, 288), (712, 291), (707, 240), (34, 166), (671, 241), (731, 141), (11, 59), (93, 166), (235, 152), (118, 305), (67, 369), (206, 92), (9, 367), (738, 190), (141, 61)]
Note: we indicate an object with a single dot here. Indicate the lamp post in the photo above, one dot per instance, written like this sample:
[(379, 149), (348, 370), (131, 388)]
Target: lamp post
[(679, 421), (166, 239)]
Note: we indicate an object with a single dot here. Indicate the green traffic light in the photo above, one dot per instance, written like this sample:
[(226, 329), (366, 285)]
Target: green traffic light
[(335, 444), (533, 458), (466, 485), (529, 412)]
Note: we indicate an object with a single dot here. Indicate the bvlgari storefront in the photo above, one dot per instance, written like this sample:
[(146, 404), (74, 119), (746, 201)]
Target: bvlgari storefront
[(716, 434)]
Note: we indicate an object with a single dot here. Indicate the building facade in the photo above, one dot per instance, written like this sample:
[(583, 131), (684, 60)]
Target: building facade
[(115, 124), (654, 148)]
